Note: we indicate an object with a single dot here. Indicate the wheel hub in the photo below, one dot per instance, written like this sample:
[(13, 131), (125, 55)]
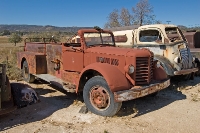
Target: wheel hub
[(99, 97)]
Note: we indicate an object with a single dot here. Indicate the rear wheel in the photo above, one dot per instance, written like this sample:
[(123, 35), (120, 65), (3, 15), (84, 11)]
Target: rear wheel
[(98, 97), (25, 73)]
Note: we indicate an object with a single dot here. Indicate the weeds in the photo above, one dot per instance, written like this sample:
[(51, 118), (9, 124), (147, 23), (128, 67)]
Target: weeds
[(8, 56), (195, 98), (105, 131)]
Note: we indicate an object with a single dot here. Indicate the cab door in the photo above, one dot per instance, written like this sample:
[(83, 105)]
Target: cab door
[(72, 57)]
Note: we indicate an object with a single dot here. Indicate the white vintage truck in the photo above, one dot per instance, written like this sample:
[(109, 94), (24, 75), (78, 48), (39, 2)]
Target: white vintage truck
[(167, 42)]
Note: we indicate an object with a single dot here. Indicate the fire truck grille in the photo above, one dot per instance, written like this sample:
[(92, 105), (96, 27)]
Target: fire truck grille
[(144, 70)]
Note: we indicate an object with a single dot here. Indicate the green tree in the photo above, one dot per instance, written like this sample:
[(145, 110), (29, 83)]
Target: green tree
[(15, 38)]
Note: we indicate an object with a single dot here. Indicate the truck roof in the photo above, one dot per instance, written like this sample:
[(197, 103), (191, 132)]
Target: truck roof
[(158, 25), (133, 27), (81, 31)]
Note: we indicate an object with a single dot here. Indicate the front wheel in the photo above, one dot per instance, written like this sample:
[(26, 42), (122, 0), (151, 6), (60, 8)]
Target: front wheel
[(26, 74), (98, 97)]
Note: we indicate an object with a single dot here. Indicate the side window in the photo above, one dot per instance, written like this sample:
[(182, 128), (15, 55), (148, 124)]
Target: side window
[(75, 39), (150, 36), (121, 38), (75, 42)]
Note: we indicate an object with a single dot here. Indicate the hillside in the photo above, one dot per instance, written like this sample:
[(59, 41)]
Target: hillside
[(38, 28)]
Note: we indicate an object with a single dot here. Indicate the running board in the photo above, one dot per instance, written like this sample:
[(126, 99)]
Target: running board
[(57, 82)]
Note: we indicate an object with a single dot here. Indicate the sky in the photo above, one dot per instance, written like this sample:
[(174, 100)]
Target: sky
[(89, 13)]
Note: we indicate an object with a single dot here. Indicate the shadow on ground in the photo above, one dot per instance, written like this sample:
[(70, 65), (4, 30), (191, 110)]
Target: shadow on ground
[(49, 103), (52, 101), (148, 104)]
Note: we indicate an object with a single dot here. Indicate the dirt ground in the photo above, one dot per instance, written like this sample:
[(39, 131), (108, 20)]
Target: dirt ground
[(175, 109)]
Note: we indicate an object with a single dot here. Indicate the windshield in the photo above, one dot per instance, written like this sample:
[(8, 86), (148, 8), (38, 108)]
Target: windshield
[(174, 34), (93, 39), (150, 36)]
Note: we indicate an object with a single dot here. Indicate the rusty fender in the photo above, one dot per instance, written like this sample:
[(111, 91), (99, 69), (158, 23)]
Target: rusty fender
[(166, 64), (136, 92), (114, 77)]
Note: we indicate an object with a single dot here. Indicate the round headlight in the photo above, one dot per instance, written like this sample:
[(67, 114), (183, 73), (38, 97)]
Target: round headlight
[(131, 69), (193, 59), (158, 64), (177, 60)]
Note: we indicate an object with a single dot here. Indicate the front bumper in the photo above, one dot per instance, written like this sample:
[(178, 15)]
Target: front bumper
[(186, 71), (136, 92)]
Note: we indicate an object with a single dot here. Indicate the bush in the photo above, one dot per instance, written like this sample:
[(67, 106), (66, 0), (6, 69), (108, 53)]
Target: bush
[(15, 38)]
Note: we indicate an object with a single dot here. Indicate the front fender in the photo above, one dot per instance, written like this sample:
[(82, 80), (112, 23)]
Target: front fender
[(115, 79), (166, 64)]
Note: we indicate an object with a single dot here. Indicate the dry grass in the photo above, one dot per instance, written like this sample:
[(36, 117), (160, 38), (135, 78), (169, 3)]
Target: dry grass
[(8, 56), (3, 39), (4, 42)]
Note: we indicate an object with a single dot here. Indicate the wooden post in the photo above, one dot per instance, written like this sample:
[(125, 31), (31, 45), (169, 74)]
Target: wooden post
[(0, 84), (3, 81)]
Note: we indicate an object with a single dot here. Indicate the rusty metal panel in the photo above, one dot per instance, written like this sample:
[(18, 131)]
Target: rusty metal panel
[(68, 86), (19, 59), (32, 58), (197, 40), (36, 47), (193, 39), (71, 77), (53, 52), (73, 60), (190, 38), (41, 64)]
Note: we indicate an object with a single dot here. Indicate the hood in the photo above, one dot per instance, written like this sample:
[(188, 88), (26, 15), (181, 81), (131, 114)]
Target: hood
[(120, 51)]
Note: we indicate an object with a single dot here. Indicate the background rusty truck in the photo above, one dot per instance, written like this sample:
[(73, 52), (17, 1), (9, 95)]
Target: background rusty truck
[(6, 99), (166, 42), (90, 62), (193, 39)]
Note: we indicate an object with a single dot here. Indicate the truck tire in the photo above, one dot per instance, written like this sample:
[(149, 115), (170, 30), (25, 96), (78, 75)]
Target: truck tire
[(25, 73), (98, 97)]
